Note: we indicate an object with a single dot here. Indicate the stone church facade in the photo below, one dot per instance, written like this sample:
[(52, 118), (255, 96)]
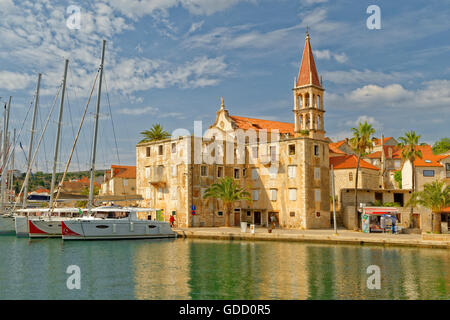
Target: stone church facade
[(284, 166)]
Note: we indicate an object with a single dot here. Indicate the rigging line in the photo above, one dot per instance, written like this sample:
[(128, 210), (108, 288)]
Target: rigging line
[(73, 132), (115, 139), (83, 133), (37, 148), (112, 121), (52, 205)]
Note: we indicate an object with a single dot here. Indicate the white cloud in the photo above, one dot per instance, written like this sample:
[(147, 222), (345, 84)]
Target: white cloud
[(430, 95), (142, 74), (376, 94), (235, 37), (195, 26), (327, 55), (135, 9), (14, 81), (138, 111), (370, 120)]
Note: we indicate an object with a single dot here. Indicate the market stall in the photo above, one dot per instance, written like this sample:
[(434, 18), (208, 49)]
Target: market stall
[(380, 219)]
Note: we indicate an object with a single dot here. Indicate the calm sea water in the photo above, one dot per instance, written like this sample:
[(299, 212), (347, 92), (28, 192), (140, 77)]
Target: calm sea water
[(202, 269)]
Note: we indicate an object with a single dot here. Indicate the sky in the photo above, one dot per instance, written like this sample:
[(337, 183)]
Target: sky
[(170, 61)]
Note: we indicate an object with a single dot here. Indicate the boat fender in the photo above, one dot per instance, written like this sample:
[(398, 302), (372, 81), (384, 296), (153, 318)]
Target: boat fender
[(131, 226), (114, 228)]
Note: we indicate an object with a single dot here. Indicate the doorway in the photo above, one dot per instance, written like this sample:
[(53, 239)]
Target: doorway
[(257, 217), (237, 217)]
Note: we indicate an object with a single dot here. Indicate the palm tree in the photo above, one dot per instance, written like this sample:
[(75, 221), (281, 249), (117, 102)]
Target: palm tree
[(361, 143), (155, 133), (227, 190), (435, 196), (410, 152)]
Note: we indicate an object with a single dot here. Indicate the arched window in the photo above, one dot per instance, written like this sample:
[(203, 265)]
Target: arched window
[(307, 100)]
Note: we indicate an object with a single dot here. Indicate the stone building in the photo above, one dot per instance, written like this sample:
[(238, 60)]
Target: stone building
[(119, 185), (284, 166), (367, 197), (344, 171), (119, 180), (426, 170)]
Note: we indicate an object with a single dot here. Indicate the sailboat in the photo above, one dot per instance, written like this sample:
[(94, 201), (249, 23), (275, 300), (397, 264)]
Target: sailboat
[(120, 222)]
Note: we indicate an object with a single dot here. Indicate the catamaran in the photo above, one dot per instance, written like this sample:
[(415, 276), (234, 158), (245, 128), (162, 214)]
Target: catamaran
[(120, 223), (101, 222)]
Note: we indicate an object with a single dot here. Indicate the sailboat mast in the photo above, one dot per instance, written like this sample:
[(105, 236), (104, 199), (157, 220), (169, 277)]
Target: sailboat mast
[(11, 171), (58, 134), (5, 152), (30, 146), (94, 144)]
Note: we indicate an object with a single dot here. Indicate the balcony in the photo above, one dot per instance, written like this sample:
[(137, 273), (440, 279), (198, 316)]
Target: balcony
[(157, 178)]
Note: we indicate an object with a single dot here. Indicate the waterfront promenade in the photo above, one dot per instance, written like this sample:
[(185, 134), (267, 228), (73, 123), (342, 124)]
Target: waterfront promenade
[(344, 236)]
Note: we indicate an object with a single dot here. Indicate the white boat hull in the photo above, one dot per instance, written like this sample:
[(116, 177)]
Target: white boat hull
[(7, 225), (87, 229), (21, 226)]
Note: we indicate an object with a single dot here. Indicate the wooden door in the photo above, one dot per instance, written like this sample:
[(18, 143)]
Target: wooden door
[(237, 218)]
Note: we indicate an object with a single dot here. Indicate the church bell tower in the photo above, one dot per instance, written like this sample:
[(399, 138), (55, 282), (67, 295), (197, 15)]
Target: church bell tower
[(308, 97)]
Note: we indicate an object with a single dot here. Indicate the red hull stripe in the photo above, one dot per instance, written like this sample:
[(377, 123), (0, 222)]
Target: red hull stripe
[(67, 232), (33, 229)]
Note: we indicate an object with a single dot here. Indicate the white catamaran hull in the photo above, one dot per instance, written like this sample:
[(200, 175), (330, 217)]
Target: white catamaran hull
[(7, 225), (21, 226), (84, 229)]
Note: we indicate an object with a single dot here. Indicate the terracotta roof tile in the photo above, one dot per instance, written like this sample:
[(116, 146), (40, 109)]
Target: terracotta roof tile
[(259, 124), (126, 172), (349, 162), (334, 147)]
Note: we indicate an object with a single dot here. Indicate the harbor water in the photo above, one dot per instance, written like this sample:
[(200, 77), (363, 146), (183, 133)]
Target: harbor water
[(207, 269)]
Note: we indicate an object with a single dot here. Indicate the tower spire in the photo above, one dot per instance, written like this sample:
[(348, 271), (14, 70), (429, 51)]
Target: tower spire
[(308, 72)]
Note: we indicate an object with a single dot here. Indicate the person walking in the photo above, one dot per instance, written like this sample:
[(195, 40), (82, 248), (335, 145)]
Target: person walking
[(172, 221), (273, 221)]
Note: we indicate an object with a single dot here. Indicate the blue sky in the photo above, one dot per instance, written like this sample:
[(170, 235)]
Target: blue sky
[(170, 61)]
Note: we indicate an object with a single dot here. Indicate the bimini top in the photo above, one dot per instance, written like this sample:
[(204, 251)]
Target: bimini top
[(121, 209), (58, 210)]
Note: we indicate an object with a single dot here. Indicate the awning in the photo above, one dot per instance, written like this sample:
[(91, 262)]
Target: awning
[(380, 210)]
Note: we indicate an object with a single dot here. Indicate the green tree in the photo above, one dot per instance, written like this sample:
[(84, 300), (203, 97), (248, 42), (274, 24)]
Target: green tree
[(410, 152), (398, 178), (441, 146), (435, 196), (361, 143), (155, 133), (227, 190)]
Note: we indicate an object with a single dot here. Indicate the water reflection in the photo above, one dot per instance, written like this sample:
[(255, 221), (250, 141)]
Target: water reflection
[(202, 269)]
